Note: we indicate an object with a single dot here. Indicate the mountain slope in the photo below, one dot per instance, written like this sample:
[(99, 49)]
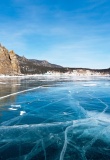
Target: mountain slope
[(33, 66)]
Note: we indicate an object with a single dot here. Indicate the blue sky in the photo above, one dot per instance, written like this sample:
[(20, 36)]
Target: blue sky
[(72, 33)]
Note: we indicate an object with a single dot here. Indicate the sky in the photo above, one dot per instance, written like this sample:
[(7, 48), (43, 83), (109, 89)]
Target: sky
[(71, 33)]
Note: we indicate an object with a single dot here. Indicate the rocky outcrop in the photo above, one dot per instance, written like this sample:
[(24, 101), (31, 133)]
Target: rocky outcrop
[(9, 64), (14, 63)]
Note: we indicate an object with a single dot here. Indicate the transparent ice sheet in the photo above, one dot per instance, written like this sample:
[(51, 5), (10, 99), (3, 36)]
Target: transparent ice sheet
[(63, 121)]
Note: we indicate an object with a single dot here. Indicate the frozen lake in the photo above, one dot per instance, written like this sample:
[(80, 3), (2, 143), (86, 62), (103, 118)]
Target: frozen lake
[(54, 118)]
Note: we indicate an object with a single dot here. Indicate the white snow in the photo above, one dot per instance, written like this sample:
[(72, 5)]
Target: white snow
[(22, 112)]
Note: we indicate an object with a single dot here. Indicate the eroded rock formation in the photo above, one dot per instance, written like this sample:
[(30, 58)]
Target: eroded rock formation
[(9, 64)]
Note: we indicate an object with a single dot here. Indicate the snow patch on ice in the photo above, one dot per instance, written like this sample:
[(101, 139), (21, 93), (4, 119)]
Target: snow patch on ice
[(99, 116), (16, 106), (89, 85), (65, 113), (22, 112), (13, 109)]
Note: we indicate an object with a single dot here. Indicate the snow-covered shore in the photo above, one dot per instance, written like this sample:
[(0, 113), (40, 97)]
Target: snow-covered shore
[(57, 74)]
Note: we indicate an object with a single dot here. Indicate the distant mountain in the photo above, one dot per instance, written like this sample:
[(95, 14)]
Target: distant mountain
[(33, 66)]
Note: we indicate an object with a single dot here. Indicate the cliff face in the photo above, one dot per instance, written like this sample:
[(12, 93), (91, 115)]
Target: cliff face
[(9, 64), (14, 63)]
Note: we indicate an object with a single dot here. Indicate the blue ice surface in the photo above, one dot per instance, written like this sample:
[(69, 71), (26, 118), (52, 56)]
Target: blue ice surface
[(55, 118)]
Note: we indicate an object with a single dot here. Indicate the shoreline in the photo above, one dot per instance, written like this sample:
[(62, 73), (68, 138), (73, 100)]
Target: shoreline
[(53, 75)]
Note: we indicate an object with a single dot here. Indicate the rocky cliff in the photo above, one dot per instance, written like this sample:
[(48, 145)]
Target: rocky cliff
[(9, 64)]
